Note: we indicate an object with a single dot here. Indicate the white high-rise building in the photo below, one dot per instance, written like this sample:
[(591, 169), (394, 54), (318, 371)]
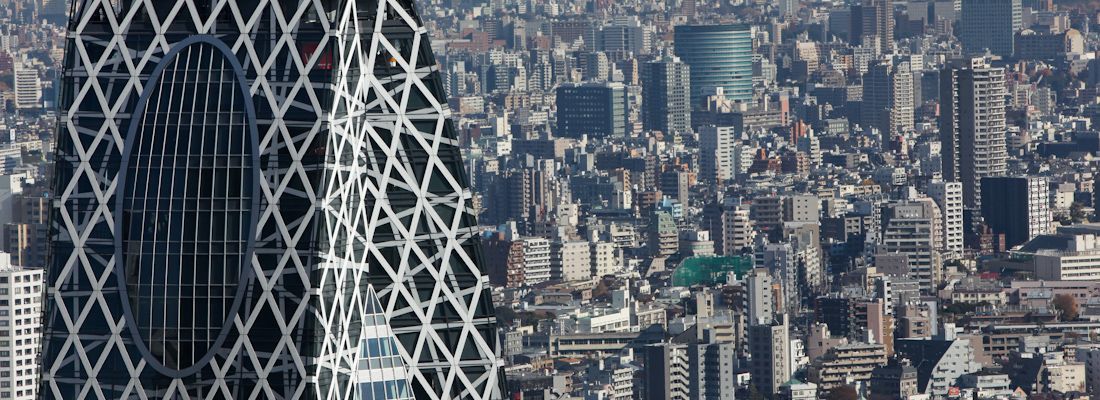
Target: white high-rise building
[(28, 87), (20, 325), (949, 197), (536, 260), (716, 154), (758, 286), (972, 125)]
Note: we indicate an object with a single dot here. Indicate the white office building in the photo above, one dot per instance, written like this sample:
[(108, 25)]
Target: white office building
[(28, 87)]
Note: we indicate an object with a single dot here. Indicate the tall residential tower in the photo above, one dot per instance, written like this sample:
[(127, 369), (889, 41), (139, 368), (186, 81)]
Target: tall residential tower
[(972, 125)]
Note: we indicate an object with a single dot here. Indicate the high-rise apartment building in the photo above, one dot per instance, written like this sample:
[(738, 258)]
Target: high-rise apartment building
[(667, 372), (537, 262), (720, 56), (949, 197), (908, 230), (888, 101), (262, 192), (990, 25), (21, 326), (683, 371), (715, 154), (666, 96), (1022, 210), (596, 109), (735, 231), (664, 235), (770, 364), (761, 302), (972, 125)]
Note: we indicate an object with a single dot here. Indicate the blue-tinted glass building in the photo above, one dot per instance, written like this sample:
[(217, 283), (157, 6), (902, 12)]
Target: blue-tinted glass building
[(261, 199), (720, 56)]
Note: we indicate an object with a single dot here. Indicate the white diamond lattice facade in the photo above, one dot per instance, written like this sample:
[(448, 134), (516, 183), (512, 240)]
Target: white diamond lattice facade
[(234, 181)]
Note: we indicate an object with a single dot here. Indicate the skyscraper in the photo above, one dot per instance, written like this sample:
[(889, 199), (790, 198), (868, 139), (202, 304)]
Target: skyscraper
[(227, 205), (873, 21), (693, 370), (720, 56), (972, 125), (888, 101), (666, 96), (990, 25)]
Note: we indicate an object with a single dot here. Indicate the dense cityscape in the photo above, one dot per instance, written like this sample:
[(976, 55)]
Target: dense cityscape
[(674, 199)]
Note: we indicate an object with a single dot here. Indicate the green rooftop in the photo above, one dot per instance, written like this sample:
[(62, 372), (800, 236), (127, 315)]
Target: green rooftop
[(710, 270)]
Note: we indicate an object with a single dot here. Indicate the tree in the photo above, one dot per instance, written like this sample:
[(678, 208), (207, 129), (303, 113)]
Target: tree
[(845, 392), (505, 315), (1077, 213), (1067, 306)]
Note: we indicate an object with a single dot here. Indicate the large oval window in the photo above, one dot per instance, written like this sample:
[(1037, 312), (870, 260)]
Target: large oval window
[(185, 209)]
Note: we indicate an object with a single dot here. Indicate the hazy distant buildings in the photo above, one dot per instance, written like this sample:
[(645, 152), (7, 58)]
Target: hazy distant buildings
[(573, 259), (990, 25), (596, 109), (972, 125), (848, 362), (26, 237), (720, 56), (942, 360), (873, 24), (537, 263)]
